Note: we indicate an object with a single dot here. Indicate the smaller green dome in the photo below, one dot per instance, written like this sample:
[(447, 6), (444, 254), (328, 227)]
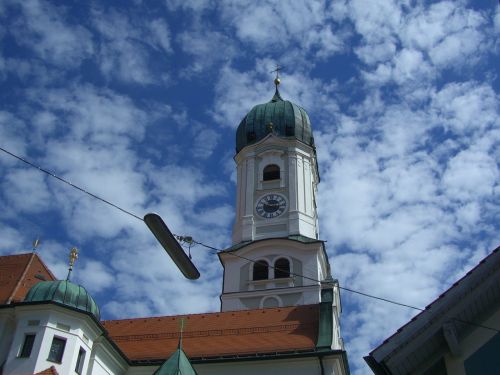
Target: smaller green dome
[(65, 292)]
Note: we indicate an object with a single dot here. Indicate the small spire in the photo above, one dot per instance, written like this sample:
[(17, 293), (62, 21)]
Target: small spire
[(277, 82), (181, 332), (73, 256), (36, 243)]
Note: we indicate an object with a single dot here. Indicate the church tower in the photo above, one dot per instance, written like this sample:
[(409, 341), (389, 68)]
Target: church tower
[(277, 258), (277, 173)]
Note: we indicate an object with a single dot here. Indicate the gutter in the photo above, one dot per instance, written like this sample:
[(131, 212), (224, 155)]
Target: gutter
[(377, 367), (248, 357)]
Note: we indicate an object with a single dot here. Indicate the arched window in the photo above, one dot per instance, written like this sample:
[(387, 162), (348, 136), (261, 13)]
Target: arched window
[(260, 270), (271, 172), (270, 301), (281, 268)]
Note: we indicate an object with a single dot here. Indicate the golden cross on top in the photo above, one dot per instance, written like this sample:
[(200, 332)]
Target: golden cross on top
[(73, 256), (277, 70)]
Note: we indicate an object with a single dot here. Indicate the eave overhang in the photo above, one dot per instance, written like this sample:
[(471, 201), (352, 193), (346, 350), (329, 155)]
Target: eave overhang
[(470, 300)]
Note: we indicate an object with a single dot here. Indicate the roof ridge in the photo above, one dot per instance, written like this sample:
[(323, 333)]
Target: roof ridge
[(212, 313), (45, 266)]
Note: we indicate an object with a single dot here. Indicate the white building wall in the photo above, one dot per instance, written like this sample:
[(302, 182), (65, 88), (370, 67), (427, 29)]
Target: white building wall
[(297, 184), (105, 362), (470, 344), (238, 283), (46, 322), (7, 330)]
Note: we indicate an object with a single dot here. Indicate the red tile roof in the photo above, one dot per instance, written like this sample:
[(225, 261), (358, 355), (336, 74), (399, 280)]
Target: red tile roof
[(50, 371), (18, 273), (218, 334)]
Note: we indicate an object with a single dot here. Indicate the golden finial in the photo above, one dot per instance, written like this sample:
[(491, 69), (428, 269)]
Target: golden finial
[(73, 256), (277, 80), (270, 127), (36, 243)]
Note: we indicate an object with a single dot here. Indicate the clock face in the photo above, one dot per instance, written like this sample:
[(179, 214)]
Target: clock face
[(271, 205)]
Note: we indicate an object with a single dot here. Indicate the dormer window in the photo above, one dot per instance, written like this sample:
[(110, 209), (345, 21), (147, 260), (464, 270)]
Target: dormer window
[(261, 270), (27, 347), (281, 268), (80, 360), (271, 172), (57, 349)]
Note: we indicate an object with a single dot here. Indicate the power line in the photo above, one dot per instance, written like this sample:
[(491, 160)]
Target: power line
[(70, 184), (190, 241), (311, 278), (340, 287)]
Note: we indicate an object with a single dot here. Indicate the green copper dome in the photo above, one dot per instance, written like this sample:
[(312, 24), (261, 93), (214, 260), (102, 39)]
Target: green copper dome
[(281, 117), (64, 292)]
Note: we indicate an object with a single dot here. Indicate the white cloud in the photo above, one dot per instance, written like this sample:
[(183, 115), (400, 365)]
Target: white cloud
[(409, 47), (269, 25), (193, 5), (11, 240), (204, 143), (376, 21), (458, 48), (207, 49), (468, 215), (12, 137), (471, 174), (407, 67), (377, 52), (26, 190), (236, 93), (44, 29), (160, 35), (101, 275), (125, 49), (101, 114), (451, 34), (496, 21), (183, 185), (457, 106)]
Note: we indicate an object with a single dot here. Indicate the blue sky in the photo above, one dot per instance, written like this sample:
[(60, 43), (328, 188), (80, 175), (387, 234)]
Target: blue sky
[(138, 102)]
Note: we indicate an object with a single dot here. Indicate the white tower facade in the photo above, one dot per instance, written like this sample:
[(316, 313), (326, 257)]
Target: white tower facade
[(277, 258), (277, 187)]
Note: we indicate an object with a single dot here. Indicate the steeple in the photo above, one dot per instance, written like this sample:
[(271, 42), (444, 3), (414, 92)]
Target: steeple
[(275, 233), (277, 172), (277, 82), (178, 363)]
